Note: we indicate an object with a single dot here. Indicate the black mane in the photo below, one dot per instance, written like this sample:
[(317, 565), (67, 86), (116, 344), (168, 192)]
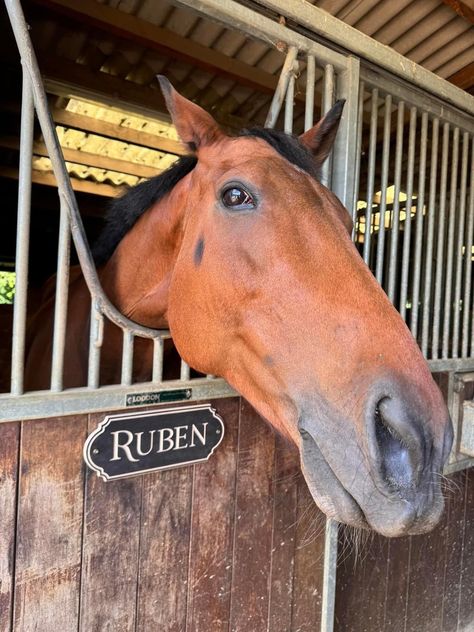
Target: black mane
[(123, 212)]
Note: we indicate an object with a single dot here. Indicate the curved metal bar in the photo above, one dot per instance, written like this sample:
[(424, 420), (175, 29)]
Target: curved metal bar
[(65, 190)]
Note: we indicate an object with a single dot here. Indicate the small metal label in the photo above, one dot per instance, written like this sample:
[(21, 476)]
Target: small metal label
[(136, 443), (157, 397)]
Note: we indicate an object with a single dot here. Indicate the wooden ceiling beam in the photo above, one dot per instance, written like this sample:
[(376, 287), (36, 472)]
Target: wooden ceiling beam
[(113, 21), (463, 8), (464, 78)]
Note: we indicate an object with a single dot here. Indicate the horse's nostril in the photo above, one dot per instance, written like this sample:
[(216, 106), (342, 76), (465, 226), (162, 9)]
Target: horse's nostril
[(398, 446)]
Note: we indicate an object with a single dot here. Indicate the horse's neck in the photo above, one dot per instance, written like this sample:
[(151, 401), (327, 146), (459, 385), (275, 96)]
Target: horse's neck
[(137, 276)]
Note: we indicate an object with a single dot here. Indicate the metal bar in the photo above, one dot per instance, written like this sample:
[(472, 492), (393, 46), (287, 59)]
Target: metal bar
[(326, 105), (448, 286), (22, 237), (127, 358), (440, 244), (458, 307), (360, 125), (158, 348), (384, 183), (371, 172), (429, 239), (289, 101), (338, 33), (345, 146), (185, 371), (329, 576), (83, 400), (95, 343), (309, 103), (467, 314), (419, 227), (392, 271), (282, 87), (60, 306), (407, 227)]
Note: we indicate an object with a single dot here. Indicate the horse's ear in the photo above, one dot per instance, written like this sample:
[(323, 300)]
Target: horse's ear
[(195, 126), (320, 138)]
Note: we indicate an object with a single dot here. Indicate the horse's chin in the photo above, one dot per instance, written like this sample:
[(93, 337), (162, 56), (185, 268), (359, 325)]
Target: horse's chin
[(338, 503)]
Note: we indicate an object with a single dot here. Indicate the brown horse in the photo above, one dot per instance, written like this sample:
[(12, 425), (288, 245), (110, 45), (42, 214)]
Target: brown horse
[(247, 257)]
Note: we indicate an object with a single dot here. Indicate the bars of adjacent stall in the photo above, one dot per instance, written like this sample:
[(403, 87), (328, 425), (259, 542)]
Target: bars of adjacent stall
[(360, 125), (95, 344), (428, 276), (127, 358), (371, 173), (326, 105), (60, 306), (279, 95), (158, 349), (395, 226), (309, 97), (458, 306), (387, 120), (419, 227), (467, 313), (440, 244), (22, 237), (185, 371), (407, 226), (289, 102)]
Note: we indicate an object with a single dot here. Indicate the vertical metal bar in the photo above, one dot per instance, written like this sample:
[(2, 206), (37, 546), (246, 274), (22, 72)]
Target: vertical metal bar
[(280, 92), (450, 244), (326, 105), (458, 307), (392, 270), (384, 183), (419, 226), (158, 348), (467, 314), (358, 151), (429, 239), (329, 576), (22, 237), (185, 371), (60, 306), (440, 244), (371, 171), (95, 344), (127, 358), (407, 227), (290, 96), (345, 146), (309, 104)]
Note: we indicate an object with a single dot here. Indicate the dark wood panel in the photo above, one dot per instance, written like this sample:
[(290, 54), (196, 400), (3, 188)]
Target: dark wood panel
[(9, 444), (110, 551), (399, 550), (253, 524), (48, 552), (210, 573)]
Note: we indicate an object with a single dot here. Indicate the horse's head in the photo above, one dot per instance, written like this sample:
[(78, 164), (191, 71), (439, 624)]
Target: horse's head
[(268, 291)]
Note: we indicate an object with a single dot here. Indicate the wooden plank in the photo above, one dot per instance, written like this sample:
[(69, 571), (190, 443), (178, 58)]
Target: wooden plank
[(286, 478), (88, 159), (399, 550), (9, 446), (309, 563), (253, 524), (466, 605), (110, 551), (464, 78), (47, 178), (464, 9), (117, 132), (210, 573), (48, 549), (455, 508)]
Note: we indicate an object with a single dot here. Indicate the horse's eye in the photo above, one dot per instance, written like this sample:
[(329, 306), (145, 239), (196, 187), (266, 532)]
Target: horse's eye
[(237, 199)]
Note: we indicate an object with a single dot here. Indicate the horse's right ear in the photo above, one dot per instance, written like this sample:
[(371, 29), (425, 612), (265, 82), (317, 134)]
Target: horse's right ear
[(320, 138), (195, 126)]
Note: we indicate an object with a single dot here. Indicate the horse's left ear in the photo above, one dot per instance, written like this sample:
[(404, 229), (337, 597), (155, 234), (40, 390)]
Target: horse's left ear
[(195, 126), (320, 138)]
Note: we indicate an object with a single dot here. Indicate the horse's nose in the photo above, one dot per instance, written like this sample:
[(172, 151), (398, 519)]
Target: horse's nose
[(400, 445)]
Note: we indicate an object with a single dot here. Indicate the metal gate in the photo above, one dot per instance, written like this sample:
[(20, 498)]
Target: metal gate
[(414, 222)]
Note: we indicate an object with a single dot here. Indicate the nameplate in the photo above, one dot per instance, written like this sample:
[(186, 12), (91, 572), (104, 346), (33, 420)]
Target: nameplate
[(140, 442)]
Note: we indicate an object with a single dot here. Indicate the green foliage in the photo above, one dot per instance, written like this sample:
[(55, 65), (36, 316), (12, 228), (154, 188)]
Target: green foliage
[(7, 287)]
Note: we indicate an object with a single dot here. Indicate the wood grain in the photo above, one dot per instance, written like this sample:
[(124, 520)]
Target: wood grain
[(48, 552)]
